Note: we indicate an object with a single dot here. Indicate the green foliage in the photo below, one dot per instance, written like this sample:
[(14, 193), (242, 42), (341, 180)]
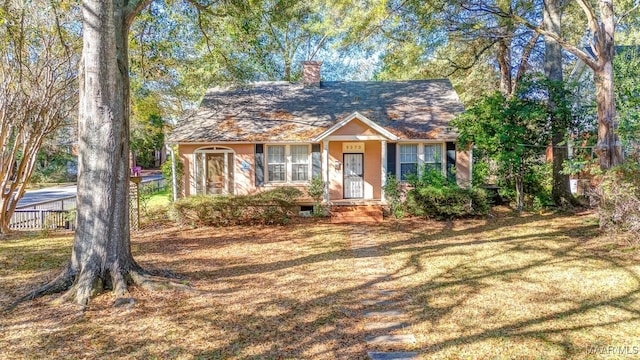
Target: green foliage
[(481, 173), (147, 138), (618, 199), (393, 194), (316, 191), (434, 196), (627, 90), (51, 165), (537, 186), (166, 169), (146, 193), (512, 131), (268, 207)]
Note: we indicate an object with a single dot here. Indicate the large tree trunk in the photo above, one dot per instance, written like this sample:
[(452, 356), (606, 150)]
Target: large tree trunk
[(560, 192), (101, 255), (504, 61), (609, 149), (101, 249), (520, 189)]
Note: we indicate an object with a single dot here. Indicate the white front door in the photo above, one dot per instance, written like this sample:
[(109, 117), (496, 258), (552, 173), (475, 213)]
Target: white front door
[(353, 182)]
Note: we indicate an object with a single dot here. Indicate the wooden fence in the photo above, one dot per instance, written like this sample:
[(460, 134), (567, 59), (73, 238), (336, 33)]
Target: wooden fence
[(59, 213), (30, 219), (50, 214)]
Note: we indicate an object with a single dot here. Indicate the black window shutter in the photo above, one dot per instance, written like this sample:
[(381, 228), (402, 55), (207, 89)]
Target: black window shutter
[(391, 158), (259, 167), (316, 161), (451, 161)]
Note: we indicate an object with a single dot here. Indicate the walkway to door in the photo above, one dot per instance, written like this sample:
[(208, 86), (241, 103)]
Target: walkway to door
[(384, 319)]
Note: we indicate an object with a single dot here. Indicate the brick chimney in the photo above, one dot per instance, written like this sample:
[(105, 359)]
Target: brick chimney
[(311, 73)]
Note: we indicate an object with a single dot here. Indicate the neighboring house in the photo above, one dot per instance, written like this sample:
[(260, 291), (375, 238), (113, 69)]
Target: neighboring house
[(247, 138)]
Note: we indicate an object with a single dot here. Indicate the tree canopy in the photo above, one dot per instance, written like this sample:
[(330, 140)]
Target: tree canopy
[(38, 89)]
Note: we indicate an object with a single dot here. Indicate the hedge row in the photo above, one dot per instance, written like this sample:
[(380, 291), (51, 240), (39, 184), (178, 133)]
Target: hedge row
[(268, 207)]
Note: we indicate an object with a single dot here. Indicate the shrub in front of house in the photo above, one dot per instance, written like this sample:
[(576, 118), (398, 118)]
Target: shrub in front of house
[(269, 207), (434, 196)]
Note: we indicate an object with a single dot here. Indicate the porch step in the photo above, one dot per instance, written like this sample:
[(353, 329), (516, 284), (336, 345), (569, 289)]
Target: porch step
[(349, 214)]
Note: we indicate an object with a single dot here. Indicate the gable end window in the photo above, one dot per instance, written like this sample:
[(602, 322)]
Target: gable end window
[(288, 163)]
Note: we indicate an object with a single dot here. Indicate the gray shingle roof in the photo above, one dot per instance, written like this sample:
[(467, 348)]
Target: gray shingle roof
[(281, 111)]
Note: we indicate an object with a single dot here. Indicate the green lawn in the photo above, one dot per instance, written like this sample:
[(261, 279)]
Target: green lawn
[(536, 286), (159, 199)]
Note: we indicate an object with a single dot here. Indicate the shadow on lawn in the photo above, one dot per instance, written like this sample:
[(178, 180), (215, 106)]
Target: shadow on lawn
[(461, 282), (329, 325)]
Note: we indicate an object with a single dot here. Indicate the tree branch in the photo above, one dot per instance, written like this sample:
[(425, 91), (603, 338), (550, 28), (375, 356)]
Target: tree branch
[(133, 8), (623, 16), (581, 54), (591, 15), (524, 61)]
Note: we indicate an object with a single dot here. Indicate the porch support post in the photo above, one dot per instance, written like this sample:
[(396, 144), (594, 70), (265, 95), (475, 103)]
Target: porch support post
[(383, 160), (174, 182), (325, 169)]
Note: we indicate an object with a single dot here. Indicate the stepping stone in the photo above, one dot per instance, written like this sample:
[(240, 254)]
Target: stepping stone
[(378, 302), (393, 355), (379, 286), (391, 339), (383, 292), (388, 313), (388, 326), (366, 252)]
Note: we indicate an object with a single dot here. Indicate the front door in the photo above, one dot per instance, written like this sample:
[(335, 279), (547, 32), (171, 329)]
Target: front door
[(215, 173), (353, 182)]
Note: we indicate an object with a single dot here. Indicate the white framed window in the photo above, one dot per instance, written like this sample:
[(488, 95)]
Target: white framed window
[(276, 163), (288, 163), (415, 158), (299, 163), (433, 157), (408, 160)]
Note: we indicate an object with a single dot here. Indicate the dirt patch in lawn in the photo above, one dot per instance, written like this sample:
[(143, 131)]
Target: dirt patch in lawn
[(535, 285)]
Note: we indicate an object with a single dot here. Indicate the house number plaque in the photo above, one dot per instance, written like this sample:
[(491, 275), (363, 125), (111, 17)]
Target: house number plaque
[(353, 147)]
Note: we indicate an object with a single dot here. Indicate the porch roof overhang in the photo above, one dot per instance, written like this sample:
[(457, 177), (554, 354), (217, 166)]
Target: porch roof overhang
[(383, 133)]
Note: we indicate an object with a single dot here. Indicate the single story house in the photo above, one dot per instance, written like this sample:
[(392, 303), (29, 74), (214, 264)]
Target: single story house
[(250, 137)]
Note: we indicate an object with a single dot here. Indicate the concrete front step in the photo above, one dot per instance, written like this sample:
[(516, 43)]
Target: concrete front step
[(392, 355)]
